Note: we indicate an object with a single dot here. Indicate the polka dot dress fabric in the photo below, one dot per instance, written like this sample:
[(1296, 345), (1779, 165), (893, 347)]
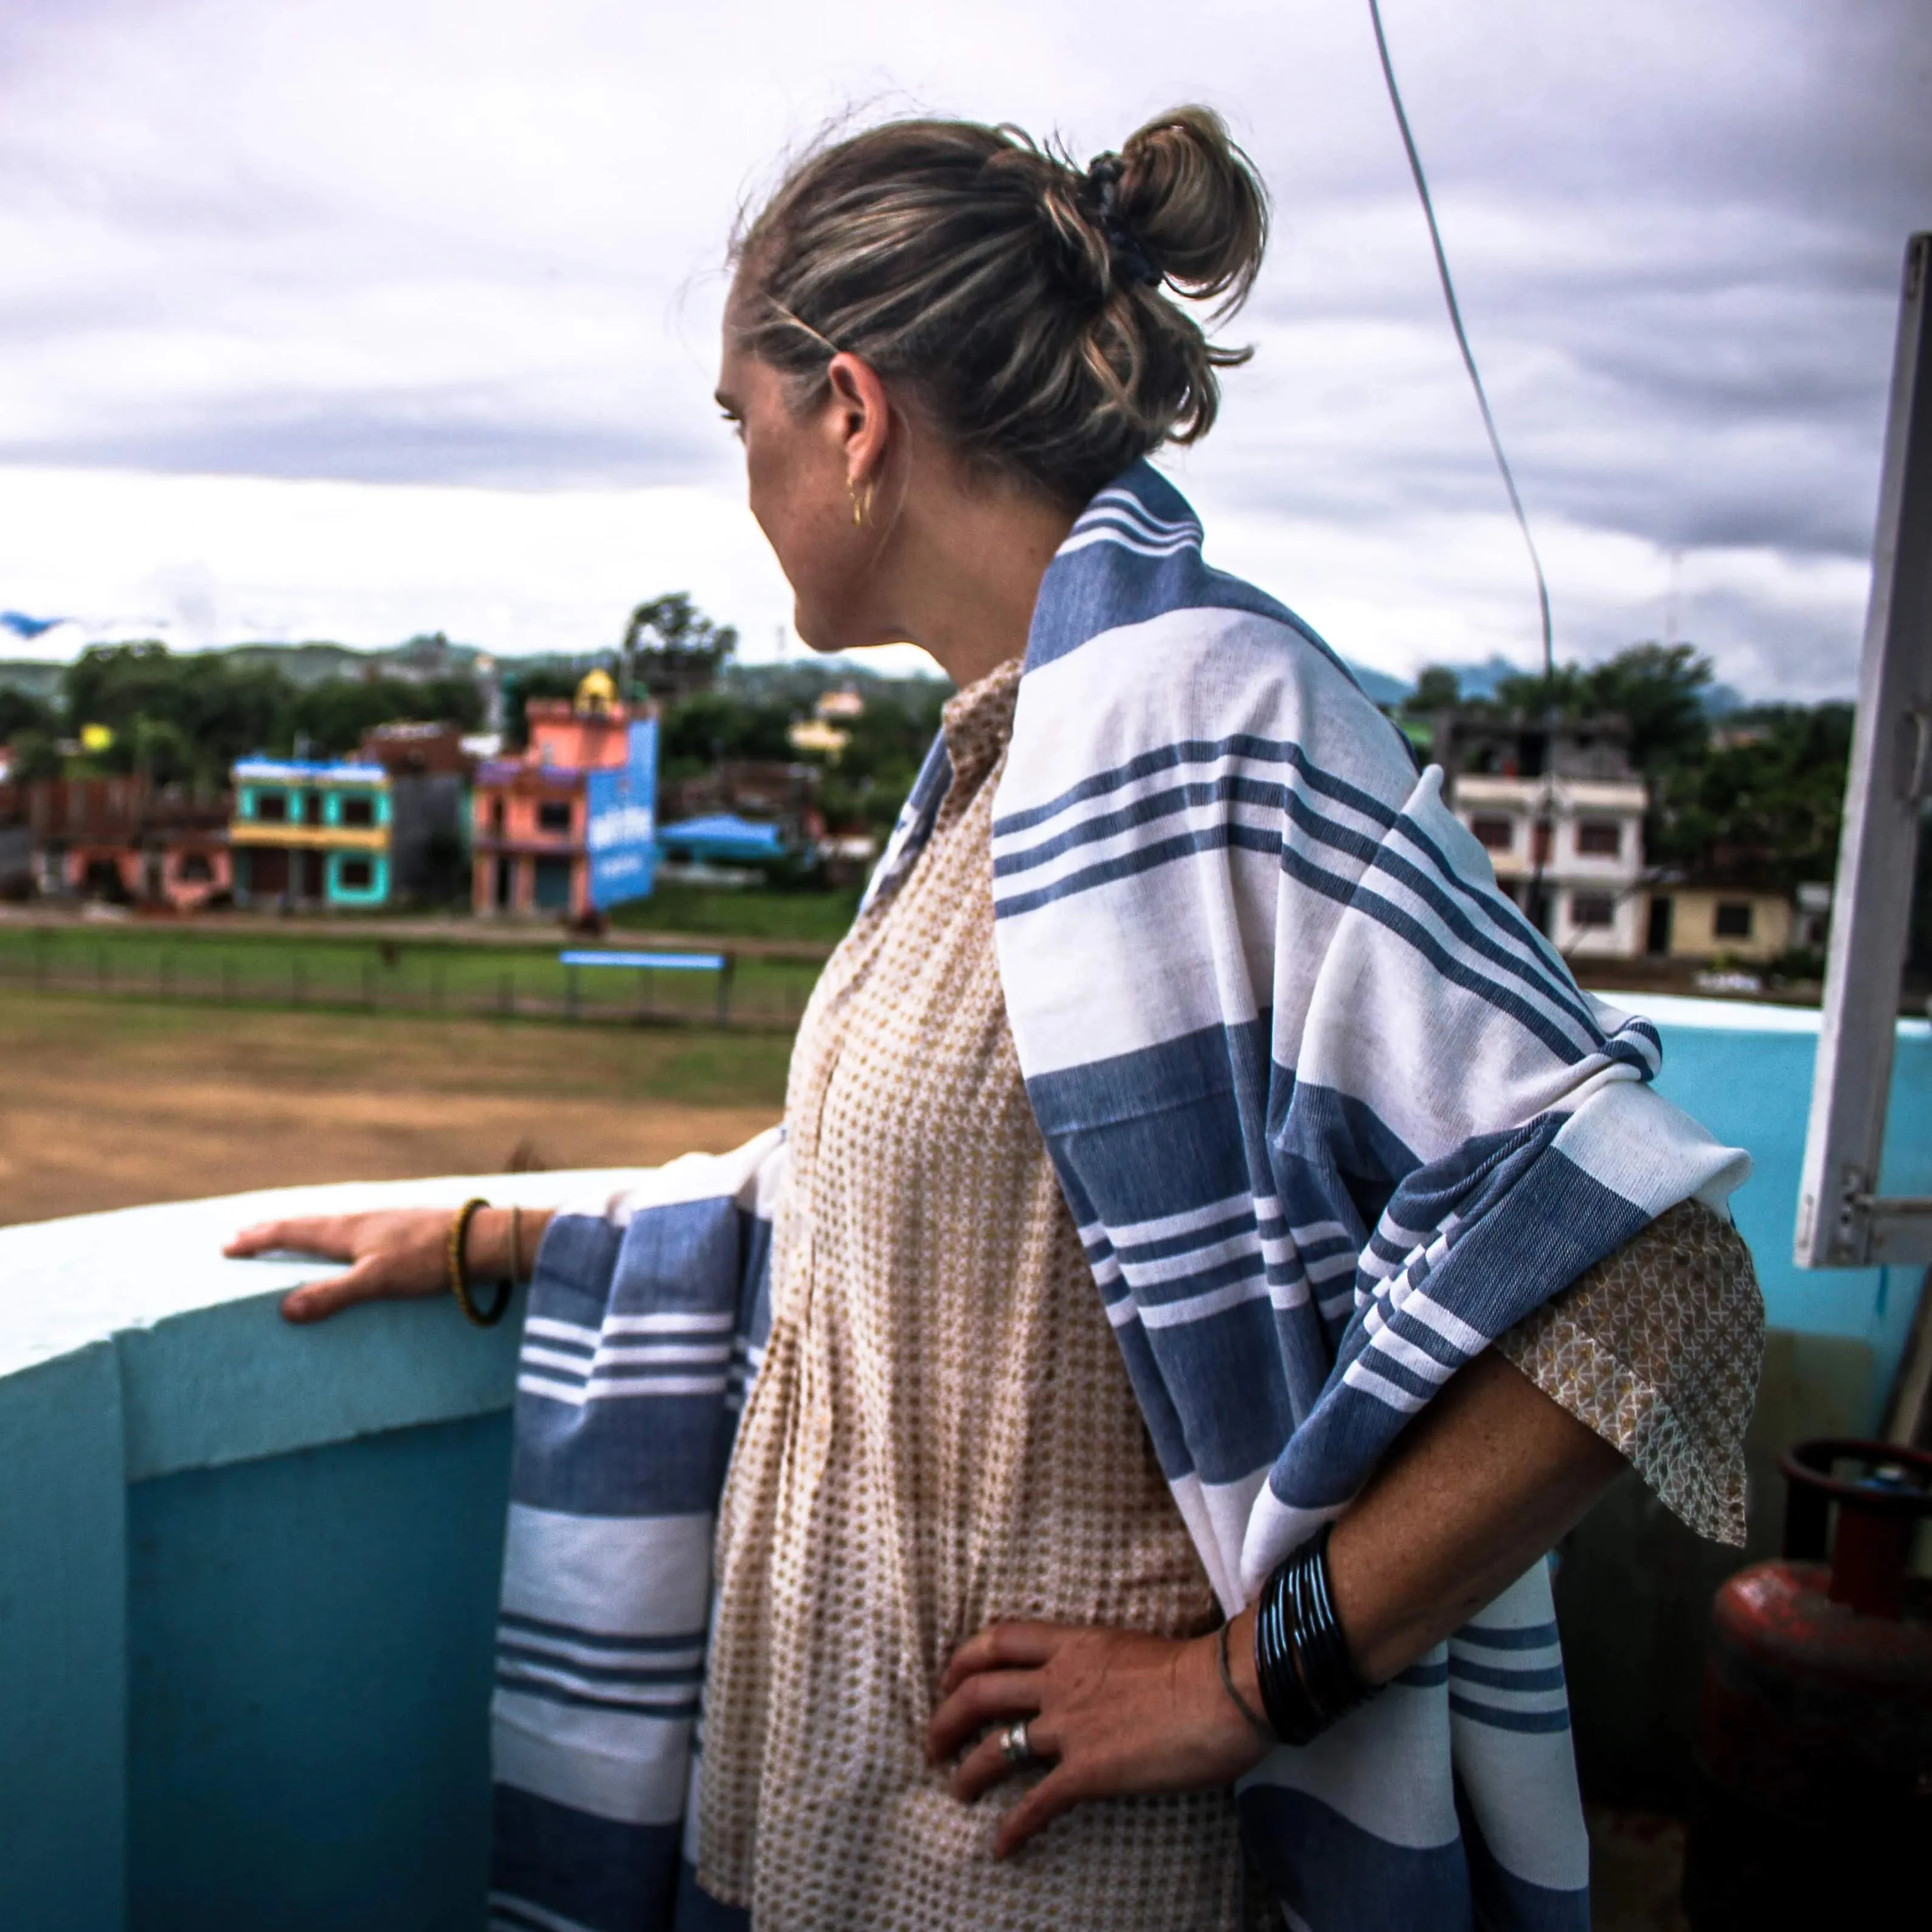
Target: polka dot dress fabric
[(1658, 1349), (942, 1435)]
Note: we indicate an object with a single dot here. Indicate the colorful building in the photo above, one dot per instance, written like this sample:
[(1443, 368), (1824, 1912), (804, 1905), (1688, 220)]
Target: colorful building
[(306, 832), (122, 839), (567, 826)]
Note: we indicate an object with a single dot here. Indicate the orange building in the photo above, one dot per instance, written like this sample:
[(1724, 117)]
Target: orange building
[(530, 838)]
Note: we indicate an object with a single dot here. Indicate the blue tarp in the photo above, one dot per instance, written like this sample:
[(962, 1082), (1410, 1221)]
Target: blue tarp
[(722, 835)]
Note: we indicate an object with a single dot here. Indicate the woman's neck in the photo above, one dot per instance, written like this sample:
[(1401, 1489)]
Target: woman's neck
[(965, 562)]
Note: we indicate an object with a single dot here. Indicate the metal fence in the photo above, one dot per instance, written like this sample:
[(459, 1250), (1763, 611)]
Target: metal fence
[(442, 978)]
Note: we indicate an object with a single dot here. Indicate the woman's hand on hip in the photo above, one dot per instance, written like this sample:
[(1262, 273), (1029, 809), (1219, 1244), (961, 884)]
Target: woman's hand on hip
[(1113, 1713), (392, 1253)]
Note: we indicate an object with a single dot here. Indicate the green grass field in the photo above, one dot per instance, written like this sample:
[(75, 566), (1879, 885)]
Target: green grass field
[(816, 918), (303, 967)]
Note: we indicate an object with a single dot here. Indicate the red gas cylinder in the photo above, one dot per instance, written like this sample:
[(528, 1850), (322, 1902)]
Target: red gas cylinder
[(1812, 1803)]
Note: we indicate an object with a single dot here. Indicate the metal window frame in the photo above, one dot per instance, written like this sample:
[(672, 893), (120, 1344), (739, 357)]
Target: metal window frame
[(1842, 1220)]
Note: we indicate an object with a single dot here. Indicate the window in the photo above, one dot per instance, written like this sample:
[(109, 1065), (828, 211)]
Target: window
[(195, 869), (553, 815), (1495, 835), (272, 807), (359, 811), (1600, 838), (1733, 919), (1540, 834), (355, 875), (1592, 909)]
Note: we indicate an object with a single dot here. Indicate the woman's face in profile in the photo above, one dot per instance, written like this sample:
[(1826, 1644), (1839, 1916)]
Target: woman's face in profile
[(795, 478)]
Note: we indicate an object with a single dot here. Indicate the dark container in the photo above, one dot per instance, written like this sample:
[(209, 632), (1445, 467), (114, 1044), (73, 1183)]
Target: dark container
[(1812, 1803)]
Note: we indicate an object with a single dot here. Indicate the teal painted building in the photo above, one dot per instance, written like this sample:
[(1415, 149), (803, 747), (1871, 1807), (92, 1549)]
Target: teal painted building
[(307, 832)]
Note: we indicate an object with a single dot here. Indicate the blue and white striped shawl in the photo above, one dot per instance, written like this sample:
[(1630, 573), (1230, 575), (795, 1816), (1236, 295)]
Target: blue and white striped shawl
[(1330, 1116)]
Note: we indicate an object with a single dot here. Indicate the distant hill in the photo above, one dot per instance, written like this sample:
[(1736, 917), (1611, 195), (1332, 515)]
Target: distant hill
[(35, 675), (802, 678), (1379, 687)]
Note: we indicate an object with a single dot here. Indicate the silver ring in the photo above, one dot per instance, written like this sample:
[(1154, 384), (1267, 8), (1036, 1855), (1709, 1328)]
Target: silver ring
[(1014, 1746)]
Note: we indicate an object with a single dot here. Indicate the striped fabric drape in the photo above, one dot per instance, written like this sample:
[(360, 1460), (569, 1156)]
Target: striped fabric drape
[(1330, 1116)]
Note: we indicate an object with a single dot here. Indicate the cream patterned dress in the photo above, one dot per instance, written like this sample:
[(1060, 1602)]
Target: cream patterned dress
[(943, 1435)]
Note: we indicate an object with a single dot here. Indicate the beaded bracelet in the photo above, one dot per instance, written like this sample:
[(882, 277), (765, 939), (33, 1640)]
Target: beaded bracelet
[(1308, 1678), (457, 1268)]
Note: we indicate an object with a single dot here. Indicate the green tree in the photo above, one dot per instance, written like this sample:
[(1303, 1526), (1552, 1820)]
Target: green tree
[(219, 709), (670, 644), (883, 754), (20, 711), (1656, 689), (699, 731), (1436, 689), (333, 716), (522, 685), (35, 755), (1769, 799), (186, 718)]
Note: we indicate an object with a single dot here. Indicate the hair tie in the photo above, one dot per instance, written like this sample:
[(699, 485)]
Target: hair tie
[(1131, 263)]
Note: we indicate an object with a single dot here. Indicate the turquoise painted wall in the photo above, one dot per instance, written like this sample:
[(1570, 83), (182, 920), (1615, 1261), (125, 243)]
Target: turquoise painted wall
[(1745, 1071), (374, 893), (308, 1728), (247, 1580)]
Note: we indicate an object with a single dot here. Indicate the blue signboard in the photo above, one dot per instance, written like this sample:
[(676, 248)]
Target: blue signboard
[(623, 823)]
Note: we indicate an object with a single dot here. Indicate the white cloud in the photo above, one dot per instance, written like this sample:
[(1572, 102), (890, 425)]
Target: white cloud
[(398, 314)]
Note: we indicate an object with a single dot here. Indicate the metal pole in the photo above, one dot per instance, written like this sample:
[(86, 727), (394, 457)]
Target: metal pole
[(570, 992), (1842, 1222), (724, 973)]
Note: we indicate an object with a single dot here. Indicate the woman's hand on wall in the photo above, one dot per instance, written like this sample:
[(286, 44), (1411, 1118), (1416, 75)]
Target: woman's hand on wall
[(392, 1253), (1113, 1712)]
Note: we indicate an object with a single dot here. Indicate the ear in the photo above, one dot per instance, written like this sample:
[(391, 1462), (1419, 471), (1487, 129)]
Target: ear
[(861, 416)]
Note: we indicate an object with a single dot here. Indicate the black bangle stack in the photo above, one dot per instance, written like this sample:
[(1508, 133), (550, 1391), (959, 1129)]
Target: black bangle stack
[(1307, 1678)]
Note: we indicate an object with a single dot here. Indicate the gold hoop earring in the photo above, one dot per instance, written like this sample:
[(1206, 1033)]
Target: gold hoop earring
[(862, 506)]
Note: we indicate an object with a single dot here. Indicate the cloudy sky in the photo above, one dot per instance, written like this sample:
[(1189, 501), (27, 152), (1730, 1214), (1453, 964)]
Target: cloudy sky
[(359, 319)]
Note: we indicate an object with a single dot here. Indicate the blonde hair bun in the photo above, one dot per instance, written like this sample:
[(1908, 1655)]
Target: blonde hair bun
[(1028, 301)]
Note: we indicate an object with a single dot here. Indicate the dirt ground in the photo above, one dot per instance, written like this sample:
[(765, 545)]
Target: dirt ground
[(106, 1103)]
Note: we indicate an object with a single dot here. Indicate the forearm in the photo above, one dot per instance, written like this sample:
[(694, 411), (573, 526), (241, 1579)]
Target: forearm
[(1486, 1480), (486, 1252)]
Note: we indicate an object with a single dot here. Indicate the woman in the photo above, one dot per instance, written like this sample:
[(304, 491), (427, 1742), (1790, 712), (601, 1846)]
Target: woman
[(1175, 980)]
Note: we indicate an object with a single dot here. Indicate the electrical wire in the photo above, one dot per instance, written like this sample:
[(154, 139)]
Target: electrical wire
[(1462, 343), (1536, 908)]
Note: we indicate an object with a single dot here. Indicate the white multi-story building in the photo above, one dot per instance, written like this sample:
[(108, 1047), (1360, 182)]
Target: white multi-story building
[(1586, 834), (1561, 818)]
